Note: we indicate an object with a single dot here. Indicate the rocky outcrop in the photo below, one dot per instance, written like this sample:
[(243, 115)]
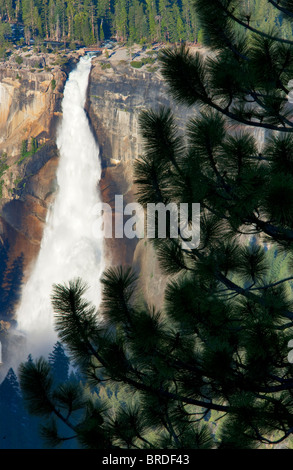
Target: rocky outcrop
[(117, 94), (29, 107)]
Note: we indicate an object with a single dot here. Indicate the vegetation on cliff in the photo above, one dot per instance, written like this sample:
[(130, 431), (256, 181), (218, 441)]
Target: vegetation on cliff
[(88, 21)]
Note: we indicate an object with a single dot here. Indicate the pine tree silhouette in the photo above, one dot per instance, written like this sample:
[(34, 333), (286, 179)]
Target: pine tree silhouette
[(11, 412), (59, 363)]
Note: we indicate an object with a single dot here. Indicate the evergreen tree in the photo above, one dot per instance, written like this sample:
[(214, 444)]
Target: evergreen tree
[(11, 412), (34, 145), (152, 15), (120, 20), (190, 24), (59, 363), (24, 148), (180, 33), (133, 20), (137, 23)]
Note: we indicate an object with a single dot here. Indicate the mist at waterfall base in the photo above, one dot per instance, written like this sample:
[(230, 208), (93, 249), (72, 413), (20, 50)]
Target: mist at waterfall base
[(69, 249)]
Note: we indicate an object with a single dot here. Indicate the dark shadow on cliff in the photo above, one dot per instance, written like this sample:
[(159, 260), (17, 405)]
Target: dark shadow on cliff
[(11, 277), (99, 132), (11, 280)]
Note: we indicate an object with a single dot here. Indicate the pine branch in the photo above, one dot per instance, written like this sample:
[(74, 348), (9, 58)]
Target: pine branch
[(241, 290), (283, 10), (247, 122), (251, 28), (268, 286)]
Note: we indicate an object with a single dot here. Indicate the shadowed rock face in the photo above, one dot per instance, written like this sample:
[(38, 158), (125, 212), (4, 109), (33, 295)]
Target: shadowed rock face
[(23, 217)]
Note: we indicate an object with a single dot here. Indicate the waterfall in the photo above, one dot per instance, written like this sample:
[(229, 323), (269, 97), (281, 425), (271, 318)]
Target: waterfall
[(69, 247)]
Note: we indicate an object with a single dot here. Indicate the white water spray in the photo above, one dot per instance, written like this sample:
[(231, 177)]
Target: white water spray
[(69, 248)]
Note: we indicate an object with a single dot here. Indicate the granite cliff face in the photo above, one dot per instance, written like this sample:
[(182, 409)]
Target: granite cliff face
[(30, 108), (28, 104), (117, 94)]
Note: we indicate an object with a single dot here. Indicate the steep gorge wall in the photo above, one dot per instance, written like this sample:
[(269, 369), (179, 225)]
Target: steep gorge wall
[(29, 108), (116, 96)]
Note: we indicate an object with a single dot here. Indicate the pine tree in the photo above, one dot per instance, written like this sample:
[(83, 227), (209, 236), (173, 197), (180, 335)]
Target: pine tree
[(11, 412), (180, 29), (152, 15), (24, 149), (219, 345), (34, 145), (18, 430), (11, 287), (59, 363), (120, 25)]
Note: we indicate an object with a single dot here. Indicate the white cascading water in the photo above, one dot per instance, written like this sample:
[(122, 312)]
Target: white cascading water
[(70, 248)]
